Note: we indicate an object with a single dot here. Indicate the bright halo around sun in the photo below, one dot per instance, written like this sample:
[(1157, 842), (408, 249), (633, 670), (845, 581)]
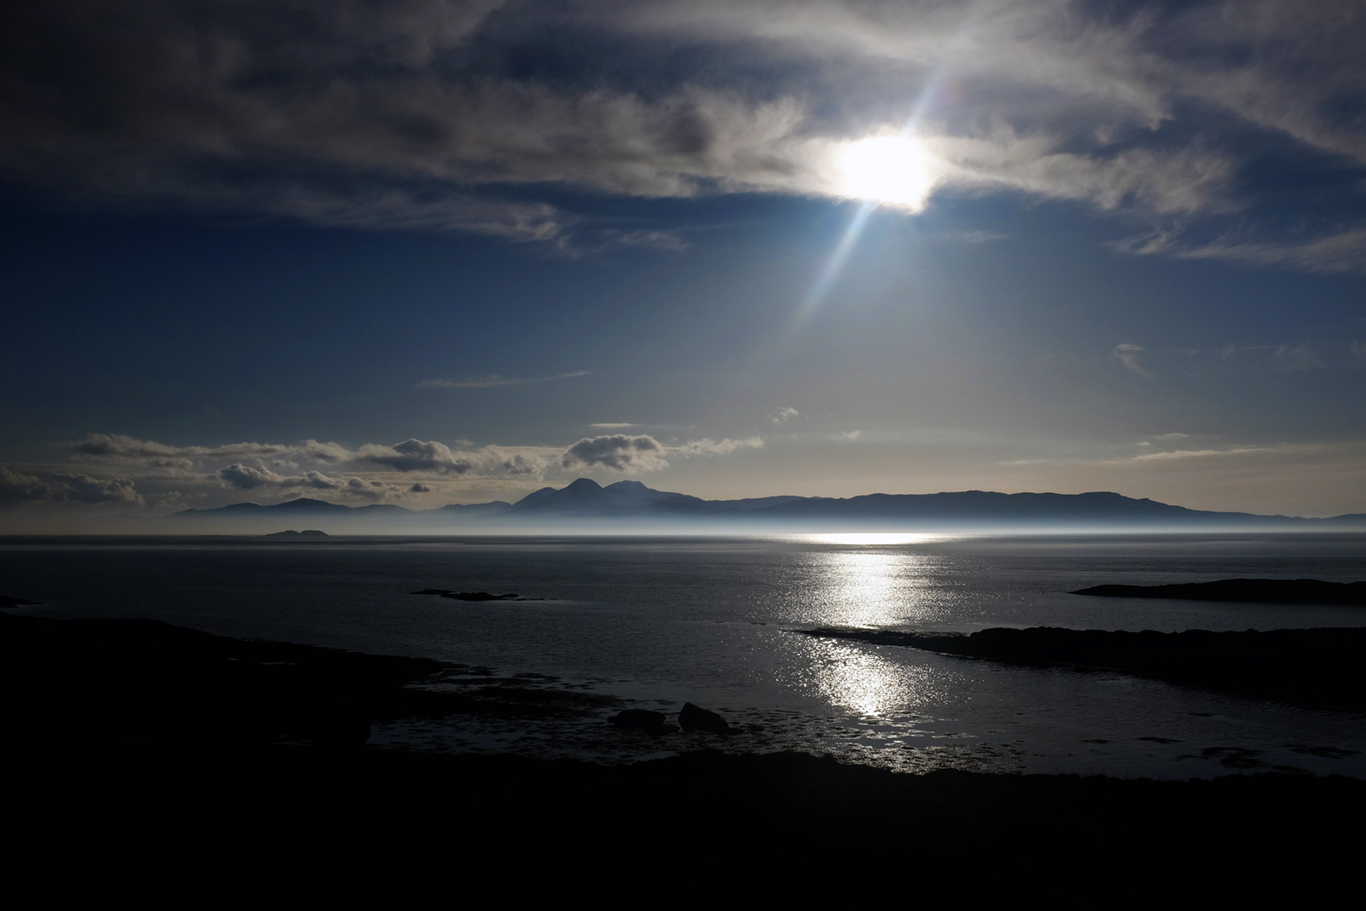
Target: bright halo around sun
[(889, 170)]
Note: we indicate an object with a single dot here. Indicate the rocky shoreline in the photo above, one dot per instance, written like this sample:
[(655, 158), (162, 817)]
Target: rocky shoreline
[(1313, 667), (153, 765)]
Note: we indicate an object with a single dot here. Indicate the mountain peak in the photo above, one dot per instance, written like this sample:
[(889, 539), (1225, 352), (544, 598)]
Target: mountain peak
[(309, 504)]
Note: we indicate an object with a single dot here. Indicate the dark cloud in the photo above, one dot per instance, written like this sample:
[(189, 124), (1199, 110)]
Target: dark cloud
[(247, 466), (19, 488), (370, 489), (130, 449), (66, 488), (416, 455), (245, 477), (516, 464), (415, 113), (337, 113), (616, 451), (314, 479), (82, 488), (324, 452)]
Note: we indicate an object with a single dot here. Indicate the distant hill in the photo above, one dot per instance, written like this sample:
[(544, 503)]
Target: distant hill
[(630, 505), (302, 506), (587, 497), (475, 509), (986, 506)]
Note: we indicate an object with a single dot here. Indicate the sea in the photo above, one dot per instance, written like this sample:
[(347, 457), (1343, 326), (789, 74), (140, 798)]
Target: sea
[(660, 621)]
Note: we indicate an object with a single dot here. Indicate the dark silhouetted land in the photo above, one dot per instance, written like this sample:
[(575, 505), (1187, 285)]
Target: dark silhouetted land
[(1263, 591), (151, 766), (585, 504)]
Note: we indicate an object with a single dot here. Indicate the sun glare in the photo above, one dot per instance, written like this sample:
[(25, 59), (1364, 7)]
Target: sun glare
[(888, 170), (874, 539)]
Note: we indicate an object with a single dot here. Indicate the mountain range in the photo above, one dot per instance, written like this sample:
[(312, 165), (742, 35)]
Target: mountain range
[(630, 505)]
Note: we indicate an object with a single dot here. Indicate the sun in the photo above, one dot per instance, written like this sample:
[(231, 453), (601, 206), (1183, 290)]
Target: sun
[(888, 170)]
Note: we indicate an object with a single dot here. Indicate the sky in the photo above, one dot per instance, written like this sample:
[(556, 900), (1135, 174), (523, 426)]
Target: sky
[(426, 252)]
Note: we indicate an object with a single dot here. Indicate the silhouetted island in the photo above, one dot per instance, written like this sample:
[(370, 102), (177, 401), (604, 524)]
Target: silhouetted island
[(152, 766), (1312, 666), (306, 533), (1262, 591), (470, 596)]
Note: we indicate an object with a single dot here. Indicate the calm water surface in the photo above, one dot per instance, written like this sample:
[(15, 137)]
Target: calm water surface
[(661, 621)]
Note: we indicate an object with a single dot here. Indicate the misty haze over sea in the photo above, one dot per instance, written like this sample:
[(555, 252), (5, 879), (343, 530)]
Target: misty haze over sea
[(667, 620)]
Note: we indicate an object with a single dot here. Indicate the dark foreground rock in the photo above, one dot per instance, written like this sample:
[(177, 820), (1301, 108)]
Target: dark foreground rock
[(1319, 667), (694, 718), (638, 718), (111, 803), (1261, 591)]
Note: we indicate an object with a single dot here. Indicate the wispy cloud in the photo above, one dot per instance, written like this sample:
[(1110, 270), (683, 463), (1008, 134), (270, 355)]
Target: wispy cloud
[(718, 447), (1303, 356), (971, 237), (1178, 454), (1344, 251), (1284, 357), (1128, 355)]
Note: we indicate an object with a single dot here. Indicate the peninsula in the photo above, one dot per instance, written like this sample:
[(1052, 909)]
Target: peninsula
[(1253, 591)]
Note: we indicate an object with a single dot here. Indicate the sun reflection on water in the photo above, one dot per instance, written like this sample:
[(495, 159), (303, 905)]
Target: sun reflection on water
[(874, 586), (870, 580), (874, 538), (854, 677)]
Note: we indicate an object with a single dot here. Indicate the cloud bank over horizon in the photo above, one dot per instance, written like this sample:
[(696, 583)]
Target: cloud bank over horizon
[(130, 476), (369, 473)]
